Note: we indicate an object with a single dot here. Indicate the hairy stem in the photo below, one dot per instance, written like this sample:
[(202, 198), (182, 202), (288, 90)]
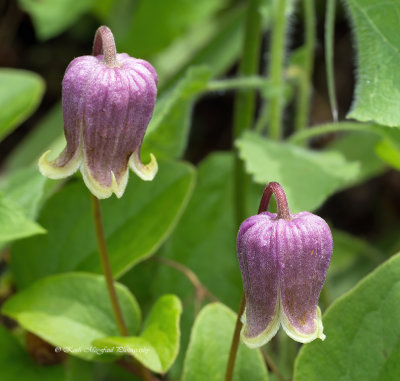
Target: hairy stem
[(304, 94), (274, 188), (104, 43), (235, 341)]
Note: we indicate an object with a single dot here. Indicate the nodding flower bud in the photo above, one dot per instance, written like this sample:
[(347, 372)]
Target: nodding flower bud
[(108, 101), (283, 258)]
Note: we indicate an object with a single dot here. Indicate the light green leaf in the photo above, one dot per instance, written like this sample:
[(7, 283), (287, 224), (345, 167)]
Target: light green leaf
[(210, 340), (134, 226), (15, 363), (20, 94), (71, 311), (14, 223), (308, 177), (388, 152), (158, 345), (168, 130), (51, 17), (362, 333), (377, 95)]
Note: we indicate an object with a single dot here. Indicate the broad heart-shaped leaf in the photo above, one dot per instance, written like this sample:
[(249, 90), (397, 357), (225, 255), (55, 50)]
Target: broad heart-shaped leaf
[(308, 177), (14, 223), (158, 345), (71, 310), (20, 94), (377, 95), (168, 130), (50, 17), (15, 363), (210, 340), (362, 333), (135, 226)]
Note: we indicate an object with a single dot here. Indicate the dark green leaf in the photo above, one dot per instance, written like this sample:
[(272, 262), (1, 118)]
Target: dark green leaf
[(134, 226), (362, 333)]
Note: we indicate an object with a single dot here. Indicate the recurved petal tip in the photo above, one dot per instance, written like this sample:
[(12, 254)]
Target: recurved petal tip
[(53, 170), (302, 336), (146, 172)]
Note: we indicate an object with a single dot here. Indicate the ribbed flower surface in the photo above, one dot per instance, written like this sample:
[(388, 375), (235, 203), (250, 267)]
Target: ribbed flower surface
[(283, 264), (106, 111)]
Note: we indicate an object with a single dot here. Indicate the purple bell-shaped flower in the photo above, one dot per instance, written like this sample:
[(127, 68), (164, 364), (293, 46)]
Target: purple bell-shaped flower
[(283, 258), (108, 101)]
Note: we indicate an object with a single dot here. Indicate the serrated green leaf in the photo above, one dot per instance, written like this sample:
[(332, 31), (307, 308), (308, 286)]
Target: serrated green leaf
[(168, 130), (208, 351), (72, 310), (20, 94), (50, 17), (14, 223), (308, 177), (362, 333), (377, 95), (158, 345), (134, 227), (15, 363)]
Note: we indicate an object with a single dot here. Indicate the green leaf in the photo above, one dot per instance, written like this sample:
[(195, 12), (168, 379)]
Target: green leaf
[(38, 140), (15, 363), (168, 130), (20, 94), (156, 30), (14, 223), (363, 328), (24, 187), (158, 345), (50, 17), (207, 355), (308, 177), (377, 95), (134, 226), (388, 152), (72, 310)]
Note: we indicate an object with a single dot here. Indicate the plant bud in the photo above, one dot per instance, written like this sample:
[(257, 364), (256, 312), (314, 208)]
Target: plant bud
[(108, 101), (283, 258)]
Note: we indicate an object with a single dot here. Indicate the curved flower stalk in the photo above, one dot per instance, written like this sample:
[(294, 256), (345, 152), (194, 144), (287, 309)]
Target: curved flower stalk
[(108, 101), (283, 259)]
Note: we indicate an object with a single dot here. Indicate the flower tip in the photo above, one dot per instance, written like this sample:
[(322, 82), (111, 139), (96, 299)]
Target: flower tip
[(50, 168), (146, 172)]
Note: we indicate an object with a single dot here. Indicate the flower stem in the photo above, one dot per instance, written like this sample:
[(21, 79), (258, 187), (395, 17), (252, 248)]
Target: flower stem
[(244, 107), (252, 82), (305, 80), (275, 110), (274, 188), (104, 43), (235, 341), (105, 263)]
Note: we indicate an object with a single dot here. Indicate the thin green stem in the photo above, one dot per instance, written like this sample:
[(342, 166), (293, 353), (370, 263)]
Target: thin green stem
[(271, 364), (305, 88), (329, 39), (253, 82), (235, 341), (275, 110), (331, 127), (244, 107), (105, 264)]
